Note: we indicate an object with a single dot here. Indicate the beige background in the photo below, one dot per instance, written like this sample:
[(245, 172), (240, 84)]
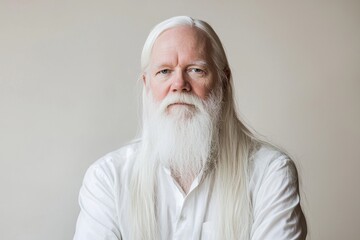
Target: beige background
[(69, 94)]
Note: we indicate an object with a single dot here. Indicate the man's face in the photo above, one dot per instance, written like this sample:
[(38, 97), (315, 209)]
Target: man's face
[(183, 101), (180, 62)]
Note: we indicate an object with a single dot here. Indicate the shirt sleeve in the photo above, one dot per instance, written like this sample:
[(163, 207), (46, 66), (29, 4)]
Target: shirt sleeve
[(276, 205), (97, 219)]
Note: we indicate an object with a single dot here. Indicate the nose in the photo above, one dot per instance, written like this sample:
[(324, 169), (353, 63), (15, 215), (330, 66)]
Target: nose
[(180, 84)]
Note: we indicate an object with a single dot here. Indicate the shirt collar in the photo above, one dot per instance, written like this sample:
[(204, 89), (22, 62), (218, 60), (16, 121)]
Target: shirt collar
[(205, 171)]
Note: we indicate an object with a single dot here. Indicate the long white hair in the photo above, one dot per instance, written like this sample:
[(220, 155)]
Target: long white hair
[(236, 144)]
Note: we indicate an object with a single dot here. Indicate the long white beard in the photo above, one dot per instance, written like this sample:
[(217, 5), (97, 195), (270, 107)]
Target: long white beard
[(184, 138)]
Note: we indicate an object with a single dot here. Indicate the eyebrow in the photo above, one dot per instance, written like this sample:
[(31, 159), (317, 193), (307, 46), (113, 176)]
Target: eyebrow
[(198, 62)]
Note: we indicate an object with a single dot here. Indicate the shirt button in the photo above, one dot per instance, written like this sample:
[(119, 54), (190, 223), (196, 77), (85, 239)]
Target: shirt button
[(182, 217)]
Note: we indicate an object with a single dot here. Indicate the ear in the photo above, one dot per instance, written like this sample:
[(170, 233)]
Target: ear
[(227, 73), (143, 76), (146, 82)]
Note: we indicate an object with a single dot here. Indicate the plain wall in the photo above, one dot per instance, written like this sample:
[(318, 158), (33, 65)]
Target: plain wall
[(69, 93)]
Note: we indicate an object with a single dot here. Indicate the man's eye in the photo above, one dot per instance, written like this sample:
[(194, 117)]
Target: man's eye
[(164, 71), (197, 70)]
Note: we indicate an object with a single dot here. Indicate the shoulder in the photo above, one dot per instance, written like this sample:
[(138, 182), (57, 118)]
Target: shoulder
[(99, 195), (114, 164), (269, 161), (271, 172), (274, 191)]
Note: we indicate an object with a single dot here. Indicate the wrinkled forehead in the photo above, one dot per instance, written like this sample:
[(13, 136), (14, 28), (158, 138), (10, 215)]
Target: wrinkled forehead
[(188, 38)]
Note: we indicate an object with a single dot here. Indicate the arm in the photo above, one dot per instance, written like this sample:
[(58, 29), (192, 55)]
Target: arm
[(97, 219), (276, 205)]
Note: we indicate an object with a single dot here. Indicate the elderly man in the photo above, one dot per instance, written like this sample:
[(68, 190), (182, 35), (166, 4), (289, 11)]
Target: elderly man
[(197, 172)]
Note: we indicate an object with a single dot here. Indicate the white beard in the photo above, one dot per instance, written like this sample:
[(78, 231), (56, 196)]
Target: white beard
[(182, 138)]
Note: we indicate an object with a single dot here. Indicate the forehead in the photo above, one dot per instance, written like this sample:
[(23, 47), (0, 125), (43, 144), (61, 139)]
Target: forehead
[(182, 41)]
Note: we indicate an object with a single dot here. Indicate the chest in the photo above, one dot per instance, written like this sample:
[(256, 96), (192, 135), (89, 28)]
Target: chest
[(186, 216), (179, 215)]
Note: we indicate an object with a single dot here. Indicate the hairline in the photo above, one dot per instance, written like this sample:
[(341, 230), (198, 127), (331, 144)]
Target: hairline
[(208, 43)]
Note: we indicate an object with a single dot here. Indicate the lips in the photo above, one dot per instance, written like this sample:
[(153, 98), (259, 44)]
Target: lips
[(181, 104)]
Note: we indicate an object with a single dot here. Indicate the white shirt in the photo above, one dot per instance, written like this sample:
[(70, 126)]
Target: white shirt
[(104, 199)]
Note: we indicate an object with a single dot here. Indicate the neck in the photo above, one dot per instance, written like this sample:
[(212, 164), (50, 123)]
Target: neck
[(184, 183)]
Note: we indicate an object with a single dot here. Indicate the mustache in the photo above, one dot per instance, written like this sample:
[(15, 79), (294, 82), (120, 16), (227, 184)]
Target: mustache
[(181, 98)]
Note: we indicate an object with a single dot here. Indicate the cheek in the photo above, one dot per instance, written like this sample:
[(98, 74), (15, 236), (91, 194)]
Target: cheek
[(203, 90), (158, 91)]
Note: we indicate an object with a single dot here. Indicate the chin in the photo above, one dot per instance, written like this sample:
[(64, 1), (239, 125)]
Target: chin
[(181, 112)]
